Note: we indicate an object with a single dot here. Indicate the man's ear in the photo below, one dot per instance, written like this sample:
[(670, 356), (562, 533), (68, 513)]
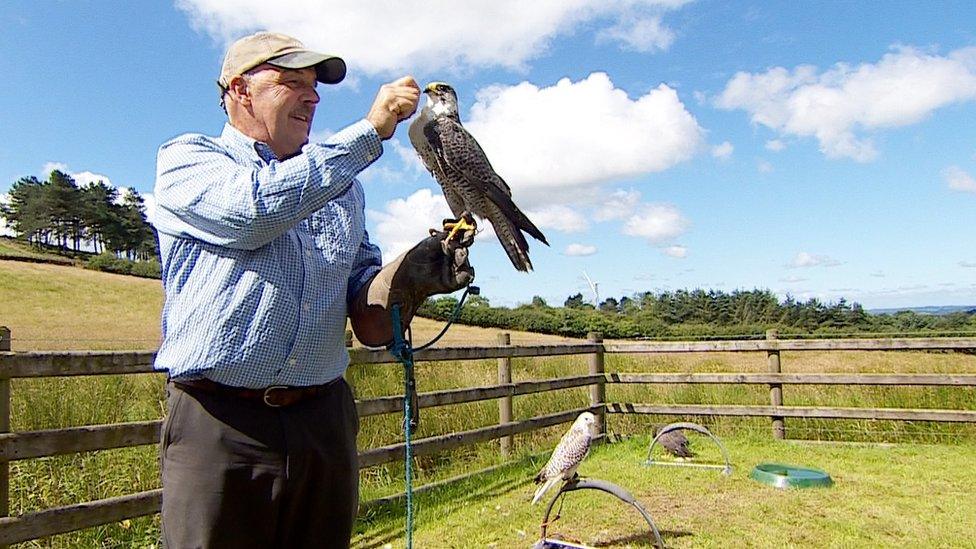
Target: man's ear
[(237, 88)]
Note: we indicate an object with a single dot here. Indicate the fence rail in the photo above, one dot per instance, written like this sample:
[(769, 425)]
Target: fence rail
[(35, 444)]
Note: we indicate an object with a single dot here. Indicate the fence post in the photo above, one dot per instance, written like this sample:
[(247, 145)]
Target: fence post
[(598, 393), (505, 403), (4, 428), (775, 389)]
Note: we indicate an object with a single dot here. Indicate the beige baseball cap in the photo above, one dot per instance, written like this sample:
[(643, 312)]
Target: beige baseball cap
[(278, 50)]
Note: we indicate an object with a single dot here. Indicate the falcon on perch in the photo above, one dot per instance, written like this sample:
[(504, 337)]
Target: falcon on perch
[(470, 184), (676, 444), (570, 451)]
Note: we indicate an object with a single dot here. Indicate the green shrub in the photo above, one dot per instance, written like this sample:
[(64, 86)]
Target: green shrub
[(146, 269), (107, 262)]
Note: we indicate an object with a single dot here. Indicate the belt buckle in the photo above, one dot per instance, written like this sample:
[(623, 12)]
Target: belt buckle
[(268, 392)]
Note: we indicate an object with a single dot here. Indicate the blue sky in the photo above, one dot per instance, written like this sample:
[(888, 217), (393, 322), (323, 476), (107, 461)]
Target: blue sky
[(821, 149)]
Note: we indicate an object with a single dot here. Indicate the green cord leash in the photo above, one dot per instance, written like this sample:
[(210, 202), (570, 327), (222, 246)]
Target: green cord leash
[(403, 351)]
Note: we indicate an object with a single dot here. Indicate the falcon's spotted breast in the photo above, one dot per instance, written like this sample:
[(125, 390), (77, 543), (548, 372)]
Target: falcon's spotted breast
[(469, 182)]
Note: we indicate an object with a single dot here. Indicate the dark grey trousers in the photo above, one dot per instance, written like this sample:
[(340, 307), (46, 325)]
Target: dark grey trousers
[(238, 474)]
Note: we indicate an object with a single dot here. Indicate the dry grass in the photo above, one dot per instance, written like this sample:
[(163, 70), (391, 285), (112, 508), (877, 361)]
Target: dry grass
[(53, 307)]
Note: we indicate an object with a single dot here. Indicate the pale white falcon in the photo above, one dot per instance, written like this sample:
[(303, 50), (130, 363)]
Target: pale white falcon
[(470, 184), (569, 453)]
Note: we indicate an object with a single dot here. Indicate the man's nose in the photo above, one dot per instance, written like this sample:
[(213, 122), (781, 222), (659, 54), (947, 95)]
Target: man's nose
[(312, 97)]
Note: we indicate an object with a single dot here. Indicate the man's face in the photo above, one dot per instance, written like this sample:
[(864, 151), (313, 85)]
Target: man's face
[(283, 102)]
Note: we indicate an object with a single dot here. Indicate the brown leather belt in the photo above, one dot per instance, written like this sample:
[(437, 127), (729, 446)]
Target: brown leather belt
[(275, 396)]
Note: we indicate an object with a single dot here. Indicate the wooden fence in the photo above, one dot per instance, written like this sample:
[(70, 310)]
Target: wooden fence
[(35, 444)]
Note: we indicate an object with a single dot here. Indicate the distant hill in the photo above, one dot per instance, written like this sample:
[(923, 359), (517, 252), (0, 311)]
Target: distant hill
[(927, 310)]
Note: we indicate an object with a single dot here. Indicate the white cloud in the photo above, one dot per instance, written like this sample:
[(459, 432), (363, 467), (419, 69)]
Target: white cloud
[(775, 145), (568, 136), (382, 173), (149, 200), (676, 251), (409, 156), (840, 104), (877, 274), (560, 218), (792, 279), (81, 178), (618, 204), (805, 259), (579, 250), (405, 221), (5, 229), (84, 178), (643, 34), (429, 36), (764, 167), (968, 264), (723, 151), (657, 224), (49, 167), (959, 180)]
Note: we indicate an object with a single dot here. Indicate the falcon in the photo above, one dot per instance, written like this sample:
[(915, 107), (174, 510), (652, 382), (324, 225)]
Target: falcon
[(470, 184), (676, 444), (569, 453)]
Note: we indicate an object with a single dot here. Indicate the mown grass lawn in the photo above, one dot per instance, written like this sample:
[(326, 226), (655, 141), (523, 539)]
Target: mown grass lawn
[(885, 495)]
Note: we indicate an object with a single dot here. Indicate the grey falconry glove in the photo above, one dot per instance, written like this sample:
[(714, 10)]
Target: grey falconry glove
[(436, 265)]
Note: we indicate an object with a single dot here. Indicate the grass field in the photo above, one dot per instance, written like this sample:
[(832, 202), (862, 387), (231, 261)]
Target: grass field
[(57, 308), (884, 496)]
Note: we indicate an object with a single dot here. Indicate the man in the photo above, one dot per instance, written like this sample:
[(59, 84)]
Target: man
[(264, 254)]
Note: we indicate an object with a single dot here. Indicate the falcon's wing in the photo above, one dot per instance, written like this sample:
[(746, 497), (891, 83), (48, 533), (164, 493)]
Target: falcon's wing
[(468, 171), (428, 156), (676, 443)]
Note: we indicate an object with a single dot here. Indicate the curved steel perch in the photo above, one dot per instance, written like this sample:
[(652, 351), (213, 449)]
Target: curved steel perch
[(726, 469), (577, 483)]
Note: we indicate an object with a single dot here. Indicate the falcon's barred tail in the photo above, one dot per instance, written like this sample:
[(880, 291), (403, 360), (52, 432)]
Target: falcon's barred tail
[(529, 227), (548, 485), (511, 238)]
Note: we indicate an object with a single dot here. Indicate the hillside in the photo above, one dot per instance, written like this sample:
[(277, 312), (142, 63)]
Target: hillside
[(927, 310), (54, 307)]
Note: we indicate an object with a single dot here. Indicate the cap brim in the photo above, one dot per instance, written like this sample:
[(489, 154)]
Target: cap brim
[(328, 69)]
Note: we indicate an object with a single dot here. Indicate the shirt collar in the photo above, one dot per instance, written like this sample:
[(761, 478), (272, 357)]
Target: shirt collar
[(236, 137)]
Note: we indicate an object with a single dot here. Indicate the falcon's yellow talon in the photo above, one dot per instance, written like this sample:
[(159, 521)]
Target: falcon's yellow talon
[(461, 224)]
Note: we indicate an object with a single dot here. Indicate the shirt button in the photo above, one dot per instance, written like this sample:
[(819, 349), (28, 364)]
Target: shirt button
[(292, 361), (306, 307), (308, 253)]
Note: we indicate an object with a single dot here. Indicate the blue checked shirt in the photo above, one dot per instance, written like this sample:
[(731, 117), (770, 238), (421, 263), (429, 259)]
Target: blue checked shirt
[(260, 257)]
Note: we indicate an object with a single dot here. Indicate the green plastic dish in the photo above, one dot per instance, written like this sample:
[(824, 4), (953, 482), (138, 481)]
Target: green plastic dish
[(790, 476)]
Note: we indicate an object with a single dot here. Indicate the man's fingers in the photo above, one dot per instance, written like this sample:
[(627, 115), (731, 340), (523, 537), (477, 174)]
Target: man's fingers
[(407, 81), (395, 102)]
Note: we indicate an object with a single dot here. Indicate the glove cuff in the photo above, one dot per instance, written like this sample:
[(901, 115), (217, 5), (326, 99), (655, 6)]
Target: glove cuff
[(380, 290)]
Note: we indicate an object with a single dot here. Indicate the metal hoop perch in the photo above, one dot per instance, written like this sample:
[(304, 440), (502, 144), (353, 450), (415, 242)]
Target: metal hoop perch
[(604, 486), (726, 469)]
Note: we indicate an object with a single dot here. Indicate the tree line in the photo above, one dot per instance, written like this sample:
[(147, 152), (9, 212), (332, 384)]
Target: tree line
[(696, 313), (57, 213)]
